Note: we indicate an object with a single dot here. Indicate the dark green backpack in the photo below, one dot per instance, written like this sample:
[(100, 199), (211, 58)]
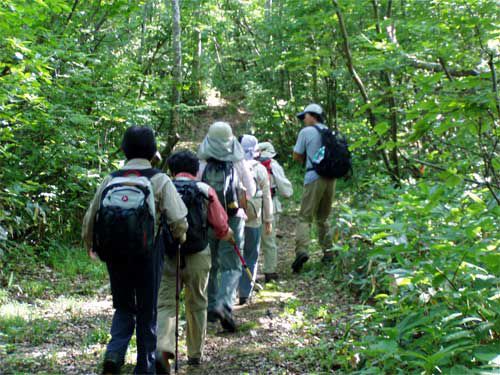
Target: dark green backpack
[(221, 177)]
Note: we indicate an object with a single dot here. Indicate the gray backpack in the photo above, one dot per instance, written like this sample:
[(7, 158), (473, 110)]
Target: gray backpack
[(220, 175)]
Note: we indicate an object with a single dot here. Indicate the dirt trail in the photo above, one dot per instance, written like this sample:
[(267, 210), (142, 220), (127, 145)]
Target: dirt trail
[(68, 334)]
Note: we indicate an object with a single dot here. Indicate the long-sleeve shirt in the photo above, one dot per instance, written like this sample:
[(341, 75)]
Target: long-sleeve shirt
[(281, 183), (216, 215), (167, 201), (263, 199)]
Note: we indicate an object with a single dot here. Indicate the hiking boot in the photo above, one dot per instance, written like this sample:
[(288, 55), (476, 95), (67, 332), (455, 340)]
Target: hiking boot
[(271, 276), (243, 301), (194, 361), (212, 316), (112, 363), (299, 261), (226, 319), (162, 363), (327, 257)]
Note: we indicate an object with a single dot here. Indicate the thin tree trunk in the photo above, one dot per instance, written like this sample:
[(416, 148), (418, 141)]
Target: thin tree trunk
[(315, 94), (145, 11), (171, 134), (359, 83), (197, 56), (391, 99), (331, 101)]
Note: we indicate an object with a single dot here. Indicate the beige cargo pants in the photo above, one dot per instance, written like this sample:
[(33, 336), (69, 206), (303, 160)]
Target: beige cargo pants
[(316, 205), (194, 278)]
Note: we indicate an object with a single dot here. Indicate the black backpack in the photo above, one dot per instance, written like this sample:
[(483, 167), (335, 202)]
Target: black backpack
[(333, 159), (221, 177), (124, 225), (196, 203)]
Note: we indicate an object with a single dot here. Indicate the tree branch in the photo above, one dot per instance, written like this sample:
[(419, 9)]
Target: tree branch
[(439, 168), (443, 65), (436, 67), (359, 83)]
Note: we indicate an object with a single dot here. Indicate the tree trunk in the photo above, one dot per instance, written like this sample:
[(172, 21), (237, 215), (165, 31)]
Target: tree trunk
[(197, 56), (171, 135), (145, 12), (331, 101), (391, 99), (359, 83)]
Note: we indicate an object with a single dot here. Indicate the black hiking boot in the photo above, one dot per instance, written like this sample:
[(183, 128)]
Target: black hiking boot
[(226, 319), (112, 363), (194, 361), (162, 363), (271, 276), (243, 301), (299, 261), (327, 257), (212, 316)]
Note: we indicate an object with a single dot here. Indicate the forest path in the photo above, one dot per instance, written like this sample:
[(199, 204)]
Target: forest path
[(273, 328), (67, 333), (65, 329)]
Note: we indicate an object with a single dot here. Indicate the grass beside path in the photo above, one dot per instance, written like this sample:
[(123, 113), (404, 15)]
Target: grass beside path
[(57, 319), (56, 312)]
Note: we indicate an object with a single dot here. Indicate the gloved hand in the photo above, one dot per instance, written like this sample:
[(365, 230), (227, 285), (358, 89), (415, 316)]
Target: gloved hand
[(268, 227), (229, 237)]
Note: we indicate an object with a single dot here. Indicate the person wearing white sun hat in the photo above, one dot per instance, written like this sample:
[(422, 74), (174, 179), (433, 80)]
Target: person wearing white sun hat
[(222, 167), (259, 214), (280, 186)]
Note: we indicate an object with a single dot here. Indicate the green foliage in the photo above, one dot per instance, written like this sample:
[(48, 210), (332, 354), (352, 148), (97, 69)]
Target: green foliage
[(423, 261), (417, 226)]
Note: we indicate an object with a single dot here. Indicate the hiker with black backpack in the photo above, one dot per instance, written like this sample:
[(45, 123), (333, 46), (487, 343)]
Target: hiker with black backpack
[(280, 186), (326, 156), (222, 167), (122, 226), (259, 213), (204, 211)]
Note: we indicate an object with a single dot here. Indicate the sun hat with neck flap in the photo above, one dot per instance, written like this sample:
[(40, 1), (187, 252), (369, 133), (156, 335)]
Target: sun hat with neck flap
[(267, 150), (250, 146), (220, 144)]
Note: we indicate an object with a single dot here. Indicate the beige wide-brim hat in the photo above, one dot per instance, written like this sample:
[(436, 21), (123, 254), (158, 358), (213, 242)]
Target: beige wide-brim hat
[(221, 130), (220, 144), (267, 150)]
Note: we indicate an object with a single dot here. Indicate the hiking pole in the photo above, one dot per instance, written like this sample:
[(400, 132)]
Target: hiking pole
[(177, 300), (245, 266)]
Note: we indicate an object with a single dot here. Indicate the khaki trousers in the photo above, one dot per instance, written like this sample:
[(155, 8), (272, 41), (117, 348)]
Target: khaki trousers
[(194, 278), (316, 206), (269, 248)]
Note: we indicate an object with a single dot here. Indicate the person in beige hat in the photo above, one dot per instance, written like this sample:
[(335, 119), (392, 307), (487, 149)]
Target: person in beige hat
[(259, 214), (223, 168), (280, 186)]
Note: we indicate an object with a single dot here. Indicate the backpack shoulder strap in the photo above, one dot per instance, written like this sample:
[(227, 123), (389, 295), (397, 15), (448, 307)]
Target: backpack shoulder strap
[(321, 130), (203, 188), (193, 184), (149, 173)]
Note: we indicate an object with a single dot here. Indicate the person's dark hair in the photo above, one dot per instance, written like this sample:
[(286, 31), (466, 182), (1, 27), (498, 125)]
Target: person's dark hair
[(139, 143), (318, 117), (183, 161)]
